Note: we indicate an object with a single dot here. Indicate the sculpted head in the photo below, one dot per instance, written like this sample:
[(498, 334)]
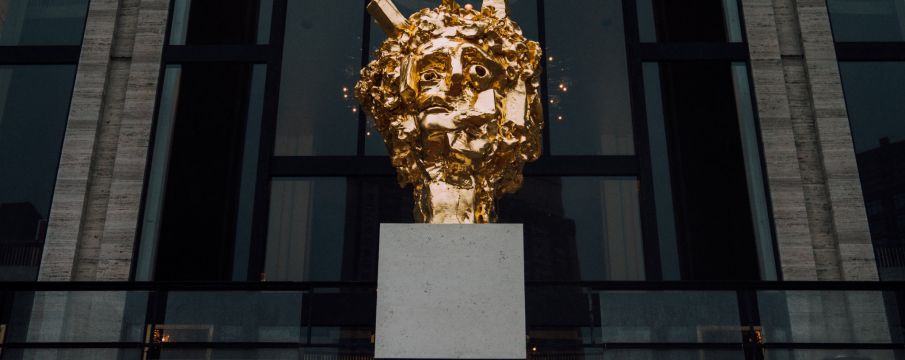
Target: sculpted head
[(454, 92)]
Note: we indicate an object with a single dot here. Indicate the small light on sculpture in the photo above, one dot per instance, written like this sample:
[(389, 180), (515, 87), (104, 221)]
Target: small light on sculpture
[(454, 92)]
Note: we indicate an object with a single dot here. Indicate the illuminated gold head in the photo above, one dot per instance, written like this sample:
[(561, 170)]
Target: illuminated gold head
[(454, 92)]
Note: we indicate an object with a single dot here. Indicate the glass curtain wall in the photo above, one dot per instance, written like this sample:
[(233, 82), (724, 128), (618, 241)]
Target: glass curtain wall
[(614, 196), (39, 53), (870, 46)]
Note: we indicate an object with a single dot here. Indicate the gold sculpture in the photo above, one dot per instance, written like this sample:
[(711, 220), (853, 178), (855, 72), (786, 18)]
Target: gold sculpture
[(454, 92)]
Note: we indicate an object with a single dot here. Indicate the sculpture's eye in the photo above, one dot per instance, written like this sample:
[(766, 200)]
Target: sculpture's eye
[(430, 76), (479, 71)]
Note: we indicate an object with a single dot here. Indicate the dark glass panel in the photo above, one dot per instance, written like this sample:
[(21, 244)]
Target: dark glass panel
[(34, 106), (234, 316), (589, 106), (818, 316), (867, 20), (875, 97), (72, 354), (42, 22), (77, 316), (710, 190), (592, 353), (689, 21), (220, 22), (321, 60), (524, 12), (198, 170), (230, 354), (841, 354), (325, 229), (578, 228)]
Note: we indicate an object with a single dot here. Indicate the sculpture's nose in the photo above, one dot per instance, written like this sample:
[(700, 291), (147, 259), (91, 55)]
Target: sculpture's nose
[(456, 78)]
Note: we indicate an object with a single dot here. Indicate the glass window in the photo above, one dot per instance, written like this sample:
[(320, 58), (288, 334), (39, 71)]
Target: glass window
[(231, 354), (829, 317), (669, 316), (77, 316), (34, 106), (867, 20), (701, 118), (842, 354), (588, 90), (202, 22), (42, 22), (875, 98), (326, 228), (318, 115), (689, 21), (237, 316), (203, 170), (71, 354), (578, 228)]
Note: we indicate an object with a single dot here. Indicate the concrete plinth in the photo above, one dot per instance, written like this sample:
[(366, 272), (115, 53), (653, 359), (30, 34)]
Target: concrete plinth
[(451, 292)]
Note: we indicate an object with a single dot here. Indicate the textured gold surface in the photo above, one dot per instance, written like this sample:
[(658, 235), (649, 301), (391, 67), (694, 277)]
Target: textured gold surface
[(454, 92)]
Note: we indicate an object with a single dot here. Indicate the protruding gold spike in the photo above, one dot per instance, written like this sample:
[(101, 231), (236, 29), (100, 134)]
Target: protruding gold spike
[(500, 7), (387, 16), (451, 4)]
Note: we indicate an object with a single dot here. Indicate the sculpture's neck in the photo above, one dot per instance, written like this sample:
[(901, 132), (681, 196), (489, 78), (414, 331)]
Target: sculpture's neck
[(444, 203)]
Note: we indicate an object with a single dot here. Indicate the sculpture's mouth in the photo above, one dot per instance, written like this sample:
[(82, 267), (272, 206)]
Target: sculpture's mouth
[(437, 109)]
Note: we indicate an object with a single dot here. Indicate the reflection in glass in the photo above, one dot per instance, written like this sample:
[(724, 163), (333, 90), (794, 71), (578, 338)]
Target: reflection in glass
[(236, 316), (34, 106), (160, 159), (42, 22), (78, 316), (71, 354), (588, 92), (829, 317), (689, 21), (201, 22), (307, 229), (318, 115), (754, 171), (249, 175), (841, 354), (578, 228), (659, 159), (875, 98), (669, 316), (867, 20), (706, 123), (202, 171), (230, 354), (634, 354), (325, 229)]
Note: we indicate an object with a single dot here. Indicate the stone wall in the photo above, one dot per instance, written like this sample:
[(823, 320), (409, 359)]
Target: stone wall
[(821, 224), (98, 189)]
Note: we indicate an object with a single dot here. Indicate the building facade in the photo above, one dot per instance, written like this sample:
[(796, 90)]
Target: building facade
[(194, 179)]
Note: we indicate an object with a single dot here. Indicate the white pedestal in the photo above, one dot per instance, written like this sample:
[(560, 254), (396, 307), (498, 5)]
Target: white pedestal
[(451, 292)]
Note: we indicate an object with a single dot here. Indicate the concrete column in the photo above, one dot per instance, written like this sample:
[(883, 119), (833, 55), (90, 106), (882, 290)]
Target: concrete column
[(114, 95), (67, 211), (118, 240), (819, 212), (784, 178), (853, 247)]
